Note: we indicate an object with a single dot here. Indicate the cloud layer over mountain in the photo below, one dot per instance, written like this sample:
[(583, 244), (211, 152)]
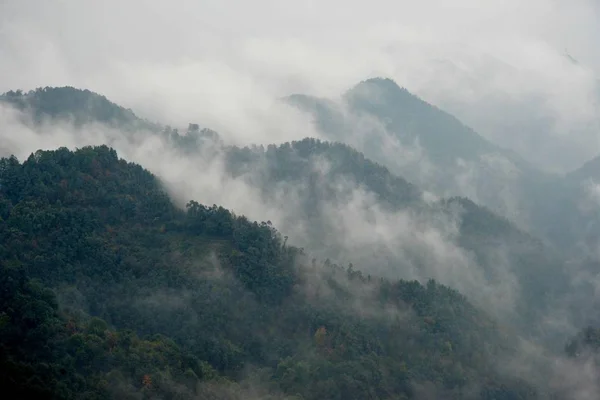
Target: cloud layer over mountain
[(499, 65)]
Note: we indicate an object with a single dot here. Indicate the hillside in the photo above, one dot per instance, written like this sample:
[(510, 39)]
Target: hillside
[(73, 105), (110, 291), (335, 202), (409, 117), (345, 207), (414, 139), (437, 152)]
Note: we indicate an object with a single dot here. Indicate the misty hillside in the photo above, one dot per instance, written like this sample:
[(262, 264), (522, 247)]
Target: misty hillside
[(400, 116), (74, 105), (390, 200), (334, 189), (438, 153), (243, 309), (328, 189), (110, 291), (443, 136)]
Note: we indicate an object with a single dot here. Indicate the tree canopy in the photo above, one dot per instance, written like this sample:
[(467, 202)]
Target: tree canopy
[(110, 291)]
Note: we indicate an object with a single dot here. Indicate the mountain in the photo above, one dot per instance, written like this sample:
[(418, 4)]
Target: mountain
[(345, 207), (411, 118), (108, 290), (414, 139), (73, 105), (437, 152), (339, 205)]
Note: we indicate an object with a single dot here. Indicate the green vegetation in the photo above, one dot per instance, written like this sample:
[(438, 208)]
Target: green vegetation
[(497, 245), (438, 153), (74, 105), (109, 291)]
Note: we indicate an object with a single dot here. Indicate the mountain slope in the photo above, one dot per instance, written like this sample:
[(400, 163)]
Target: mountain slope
[(195, 300), (444, 136), (435, 151), (345, 207), (74, 105), (336, 203)]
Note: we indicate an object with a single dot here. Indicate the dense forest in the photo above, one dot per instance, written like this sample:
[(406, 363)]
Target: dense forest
[(109, 289), (288, 172), (76, 106)]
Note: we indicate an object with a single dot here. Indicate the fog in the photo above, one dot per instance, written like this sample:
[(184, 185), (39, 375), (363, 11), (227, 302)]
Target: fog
[(499, 65), (355, 226), (523, 74)]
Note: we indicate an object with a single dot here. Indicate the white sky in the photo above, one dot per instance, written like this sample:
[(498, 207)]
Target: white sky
[(498, 64)]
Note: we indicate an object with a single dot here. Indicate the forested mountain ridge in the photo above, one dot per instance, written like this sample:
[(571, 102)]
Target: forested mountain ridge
[(412, 117), (400, 115), (317, 180), (83, 303), (498, 251), (110, 291), (438, 153), (73, 105), (406, 118), (450, 160)]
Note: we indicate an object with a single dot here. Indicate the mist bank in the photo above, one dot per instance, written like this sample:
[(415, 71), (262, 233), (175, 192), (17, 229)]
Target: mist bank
[(525, 76), (139, 261), (124, 294), (336, 203), (442, 155)]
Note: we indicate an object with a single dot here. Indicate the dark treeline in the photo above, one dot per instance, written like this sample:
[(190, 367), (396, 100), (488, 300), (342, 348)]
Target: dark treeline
[(109, 291)]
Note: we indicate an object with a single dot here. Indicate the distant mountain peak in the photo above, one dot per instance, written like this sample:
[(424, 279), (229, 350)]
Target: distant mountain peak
[(382, 82), (67, 102), (376, 87)]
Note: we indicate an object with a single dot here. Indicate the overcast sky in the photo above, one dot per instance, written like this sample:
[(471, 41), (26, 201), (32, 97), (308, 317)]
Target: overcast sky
[(499, 65)]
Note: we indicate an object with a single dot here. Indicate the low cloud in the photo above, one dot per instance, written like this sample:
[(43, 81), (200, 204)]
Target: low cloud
[(524, 75), (353, 224)]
